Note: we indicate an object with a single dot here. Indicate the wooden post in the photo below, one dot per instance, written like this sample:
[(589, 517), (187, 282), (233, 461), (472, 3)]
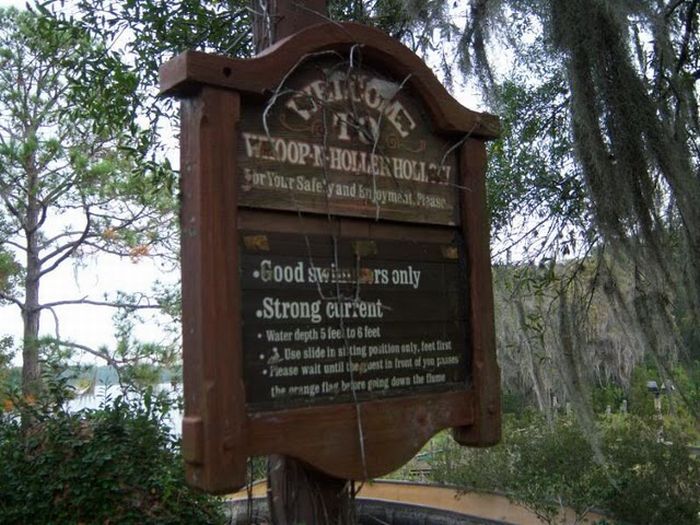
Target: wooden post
[(282, 18), (485, 368), (298, 493), (209, 238)]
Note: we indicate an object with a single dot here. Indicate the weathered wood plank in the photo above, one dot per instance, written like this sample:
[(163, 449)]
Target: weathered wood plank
[(485, 372), (343, 139), (259, 75), (391, 432), (214, 403)]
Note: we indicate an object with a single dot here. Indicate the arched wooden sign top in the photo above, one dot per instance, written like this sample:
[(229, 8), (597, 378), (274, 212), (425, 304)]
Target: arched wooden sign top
[(337, 302), (262, 74)]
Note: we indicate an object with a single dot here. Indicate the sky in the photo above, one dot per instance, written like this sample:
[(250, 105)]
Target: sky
[(100, 275), (19, 4)]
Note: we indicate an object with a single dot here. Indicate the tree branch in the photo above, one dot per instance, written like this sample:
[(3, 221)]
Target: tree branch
[(111, 361), (58, 190), (55, 322), (42, 219), (689, 30), (670, 9), (15, 245), (14, 211), (68, 249), (109, 304), (106, 250), (8, 297), (55, 238)]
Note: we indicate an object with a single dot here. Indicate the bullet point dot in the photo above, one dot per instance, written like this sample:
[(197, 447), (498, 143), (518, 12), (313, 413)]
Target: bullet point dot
[(264, 372), (262, 356), (258, 314), (256, 274), (259, 336)]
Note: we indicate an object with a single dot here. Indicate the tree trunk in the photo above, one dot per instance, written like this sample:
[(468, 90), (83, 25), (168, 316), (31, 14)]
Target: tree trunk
[(31, 370), (300, 494), (278, 19), (31, 313), (533, 368)]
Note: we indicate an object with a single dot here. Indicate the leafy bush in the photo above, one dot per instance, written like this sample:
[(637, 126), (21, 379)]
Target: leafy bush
[(546, 466), (118, 464), (539, 466), (655, 483), (605, 396)]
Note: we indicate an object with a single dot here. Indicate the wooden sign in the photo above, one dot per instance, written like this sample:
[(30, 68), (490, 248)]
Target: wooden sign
[(337, 303), (347, 141)]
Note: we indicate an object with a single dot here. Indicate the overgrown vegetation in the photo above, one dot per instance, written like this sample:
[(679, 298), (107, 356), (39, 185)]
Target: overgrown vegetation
[(115, 464), (639, 471), (591, 186), (548, 466), (75, 180), (564, 333)]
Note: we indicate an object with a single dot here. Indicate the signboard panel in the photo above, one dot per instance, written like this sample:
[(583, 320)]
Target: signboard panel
[(346, 141), (337, 303), (355, 319)]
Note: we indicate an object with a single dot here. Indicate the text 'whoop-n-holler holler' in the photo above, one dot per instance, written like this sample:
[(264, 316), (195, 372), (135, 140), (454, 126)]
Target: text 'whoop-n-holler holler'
[(350, 144)]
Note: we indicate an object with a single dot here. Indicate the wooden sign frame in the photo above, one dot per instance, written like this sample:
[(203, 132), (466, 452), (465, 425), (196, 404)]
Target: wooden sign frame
[(219, 432)]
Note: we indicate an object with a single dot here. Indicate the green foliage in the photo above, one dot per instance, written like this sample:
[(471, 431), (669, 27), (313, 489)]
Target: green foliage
[(77, 175), (539, 466), (545, 467), (9, 378), (10, 272), (609, 396), (599, 149), (419, 24), (513, 401), (640, 400), (679, 398), (655, 483), (117, 464), (141, 35), (531, 169), (257, 468)]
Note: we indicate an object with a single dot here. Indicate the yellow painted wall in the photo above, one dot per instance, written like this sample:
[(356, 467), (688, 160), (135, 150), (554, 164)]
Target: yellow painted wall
[(489, 506)]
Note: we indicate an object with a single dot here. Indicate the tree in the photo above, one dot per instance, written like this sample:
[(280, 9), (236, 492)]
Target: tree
[(72, 174), (599, 155), (142, 35), (624, 79), (610, 91)]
